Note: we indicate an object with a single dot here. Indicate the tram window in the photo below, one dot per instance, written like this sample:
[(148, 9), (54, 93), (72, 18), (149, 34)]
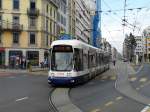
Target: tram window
[(78, 58), (85, 61)]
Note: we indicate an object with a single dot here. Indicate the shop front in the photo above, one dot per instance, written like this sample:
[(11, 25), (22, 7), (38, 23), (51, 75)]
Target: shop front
[(33, 57), (15, 58), (2, 57)]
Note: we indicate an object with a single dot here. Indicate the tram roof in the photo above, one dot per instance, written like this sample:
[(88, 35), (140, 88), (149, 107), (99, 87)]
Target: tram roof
[(75, 44)]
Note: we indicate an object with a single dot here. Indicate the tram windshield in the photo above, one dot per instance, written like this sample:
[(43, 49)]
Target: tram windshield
[(62, 58)]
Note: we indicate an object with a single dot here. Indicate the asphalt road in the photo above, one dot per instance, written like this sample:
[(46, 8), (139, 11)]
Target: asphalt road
[(141, 82), (23, 93), (30, 93), (100, 95)]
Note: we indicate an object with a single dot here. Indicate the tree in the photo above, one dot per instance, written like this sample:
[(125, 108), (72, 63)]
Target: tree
[(131, 45)]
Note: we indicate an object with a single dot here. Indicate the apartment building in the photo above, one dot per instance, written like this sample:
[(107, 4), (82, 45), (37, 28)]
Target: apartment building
[(71, 14), (62, 17), (146, 36), (139, 50), (83, 21), (27, 28)]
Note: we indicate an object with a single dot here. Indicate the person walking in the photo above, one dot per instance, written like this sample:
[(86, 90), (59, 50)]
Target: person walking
[(114, 62)]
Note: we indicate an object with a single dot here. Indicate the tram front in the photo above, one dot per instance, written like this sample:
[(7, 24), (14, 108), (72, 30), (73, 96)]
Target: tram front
[(61, 65)]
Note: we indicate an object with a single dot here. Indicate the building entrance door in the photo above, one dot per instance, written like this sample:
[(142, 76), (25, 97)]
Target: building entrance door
[(2, 59)]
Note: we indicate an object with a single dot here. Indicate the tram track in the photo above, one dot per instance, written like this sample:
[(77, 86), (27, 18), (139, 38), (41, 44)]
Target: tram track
[(52, 107)]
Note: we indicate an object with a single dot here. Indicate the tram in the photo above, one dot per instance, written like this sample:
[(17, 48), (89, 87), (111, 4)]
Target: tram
[(74, 62)]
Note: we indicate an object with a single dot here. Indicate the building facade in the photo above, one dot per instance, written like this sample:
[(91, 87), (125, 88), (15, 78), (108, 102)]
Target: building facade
[(71, 14), (83, 22), (114, 53), (79, 20), (62, 17), (139, 50), (27, 28), (146, 36)]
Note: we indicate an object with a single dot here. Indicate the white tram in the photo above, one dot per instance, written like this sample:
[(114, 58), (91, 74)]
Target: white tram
[(74, 62)]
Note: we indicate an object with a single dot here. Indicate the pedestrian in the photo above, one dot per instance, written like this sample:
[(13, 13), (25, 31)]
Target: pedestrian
[(114, 62)]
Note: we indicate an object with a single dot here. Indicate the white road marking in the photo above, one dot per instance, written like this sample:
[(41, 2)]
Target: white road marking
[(109, 103), (119, 98), (20, 99), (133, 79), (143, 80), (137, 88), (96, 110)]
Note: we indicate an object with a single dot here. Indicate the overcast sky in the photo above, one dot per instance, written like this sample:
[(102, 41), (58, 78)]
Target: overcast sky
[(112, 28)]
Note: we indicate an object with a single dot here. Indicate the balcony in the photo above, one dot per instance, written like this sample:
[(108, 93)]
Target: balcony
[(33, 12), (7, 26)]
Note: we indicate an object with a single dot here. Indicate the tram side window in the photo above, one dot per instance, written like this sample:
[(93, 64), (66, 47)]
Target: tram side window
[(85, 61), (78, 58)]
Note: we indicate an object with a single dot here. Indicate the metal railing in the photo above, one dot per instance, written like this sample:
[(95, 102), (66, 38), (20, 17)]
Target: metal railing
[(5, 25)]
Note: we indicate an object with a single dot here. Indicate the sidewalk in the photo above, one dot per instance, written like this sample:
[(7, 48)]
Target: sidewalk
[(34, 71), (124, 87)]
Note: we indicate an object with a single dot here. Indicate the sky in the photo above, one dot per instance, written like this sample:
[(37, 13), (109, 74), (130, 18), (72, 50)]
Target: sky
[(111, 23)]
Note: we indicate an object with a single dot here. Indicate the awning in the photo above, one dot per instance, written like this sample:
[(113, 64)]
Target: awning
[(2, 49)]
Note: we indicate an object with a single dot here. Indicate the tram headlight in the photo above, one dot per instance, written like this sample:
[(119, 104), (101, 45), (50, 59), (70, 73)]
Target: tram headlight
[(68, 74), (52, 75)]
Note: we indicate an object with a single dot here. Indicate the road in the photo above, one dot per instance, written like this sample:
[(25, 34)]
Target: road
[(100, 95), (23, 93), (30, 93), (141, 82)]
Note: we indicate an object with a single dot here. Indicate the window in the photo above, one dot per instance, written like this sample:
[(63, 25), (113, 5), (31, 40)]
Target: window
[(47, 8), (51, 11), (58, 16), (47, 25), (16, 38), (16, 19), (1, 21), (54, 14), (78, 58), (62, 58), (32, 22), (61, 19), (47, 40), (0, 37), (50, 27), (33, 57), (16, 4), (32, 4), (32, 38), (0, 4)]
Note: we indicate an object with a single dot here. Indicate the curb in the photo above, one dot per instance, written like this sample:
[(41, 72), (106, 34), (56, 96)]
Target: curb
[(61, 100), (25, 71)]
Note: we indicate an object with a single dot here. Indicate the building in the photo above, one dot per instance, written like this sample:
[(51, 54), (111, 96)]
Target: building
[(146, 35), (139, 50), (83, 22), (106, 46), (27, 28), (79, 20), (62, 17), (71, 15), (125, 54), (114, 53)]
